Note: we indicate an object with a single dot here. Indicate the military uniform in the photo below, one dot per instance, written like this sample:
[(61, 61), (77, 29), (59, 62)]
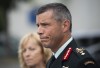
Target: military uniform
[(73, 57)]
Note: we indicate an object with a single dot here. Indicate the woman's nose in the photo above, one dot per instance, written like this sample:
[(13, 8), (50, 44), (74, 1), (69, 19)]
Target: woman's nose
[(27, 53)]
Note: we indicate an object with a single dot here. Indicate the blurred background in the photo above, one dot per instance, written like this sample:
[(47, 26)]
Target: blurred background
[(17, 17)]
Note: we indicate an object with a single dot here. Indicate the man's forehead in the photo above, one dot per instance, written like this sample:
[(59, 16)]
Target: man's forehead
[(46, 13), (43, 19)]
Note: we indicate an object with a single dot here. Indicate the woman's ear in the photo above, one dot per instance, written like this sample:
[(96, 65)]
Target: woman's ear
[(66, 25)]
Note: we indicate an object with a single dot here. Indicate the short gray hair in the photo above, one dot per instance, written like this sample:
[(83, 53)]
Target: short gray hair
[(61, 12)]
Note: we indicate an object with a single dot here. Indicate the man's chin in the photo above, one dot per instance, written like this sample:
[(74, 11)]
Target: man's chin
[(45, 45)]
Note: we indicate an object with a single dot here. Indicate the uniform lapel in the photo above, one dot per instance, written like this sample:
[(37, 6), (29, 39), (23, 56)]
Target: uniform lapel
[(58, 63), (51, 61)]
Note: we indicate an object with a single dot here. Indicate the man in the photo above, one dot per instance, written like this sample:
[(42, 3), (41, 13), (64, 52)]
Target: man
[(54, 28)]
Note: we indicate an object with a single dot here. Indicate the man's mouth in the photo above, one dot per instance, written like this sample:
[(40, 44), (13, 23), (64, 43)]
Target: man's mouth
[(44, 39)]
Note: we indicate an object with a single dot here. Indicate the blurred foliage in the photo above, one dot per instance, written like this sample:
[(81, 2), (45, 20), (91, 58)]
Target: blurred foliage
[(5, 3), (4, 6), (2, 19)]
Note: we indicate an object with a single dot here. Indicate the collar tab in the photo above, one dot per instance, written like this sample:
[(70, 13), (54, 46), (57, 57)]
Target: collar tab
[(67, 54)]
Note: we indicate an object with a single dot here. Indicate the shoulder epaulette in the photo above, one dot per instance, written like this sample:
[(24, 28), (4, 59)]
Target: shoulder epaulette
[(81, 53)]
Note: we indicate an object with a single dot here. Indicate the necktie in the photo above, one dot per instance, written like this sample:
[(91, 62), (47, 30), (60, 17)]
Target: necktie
[(52, 60)]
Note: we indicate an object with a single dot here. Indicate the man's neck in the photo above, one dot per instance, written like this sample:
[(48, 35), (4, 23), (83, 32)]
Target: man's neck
[(65, 38), (60, 50)]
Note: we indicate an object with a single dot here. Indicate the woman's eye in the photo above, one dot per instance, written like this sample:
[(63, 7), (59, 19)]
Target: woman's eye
[(24, 50), (32, 48)]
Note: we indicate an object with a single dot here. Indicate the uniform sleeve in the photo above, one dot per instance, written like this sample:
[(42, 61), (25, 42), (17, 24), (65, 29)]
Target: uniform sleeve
[(88, 63)]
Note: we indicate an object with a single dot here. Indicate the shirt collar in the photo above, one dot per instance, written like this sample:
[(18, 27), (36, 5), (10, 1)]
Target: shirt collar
[(62, 48)]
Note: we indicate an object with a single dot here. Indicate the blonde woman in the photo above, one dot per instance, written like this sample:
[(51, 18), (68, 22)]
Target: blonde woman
[(31, 53)]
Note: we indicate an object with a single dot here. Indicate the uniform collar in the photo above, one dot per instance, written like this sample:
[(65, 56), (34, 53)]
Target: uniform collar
[(62, 48)]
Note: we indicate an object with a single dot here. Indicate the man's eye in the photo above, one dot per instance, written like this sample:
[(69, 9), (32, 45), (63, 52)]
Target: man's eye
[(45, 24)]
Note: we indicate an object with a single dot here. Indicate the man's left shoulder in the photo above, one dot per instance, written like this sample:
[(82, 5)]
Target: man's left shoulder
[(86, 60), (82, 53)]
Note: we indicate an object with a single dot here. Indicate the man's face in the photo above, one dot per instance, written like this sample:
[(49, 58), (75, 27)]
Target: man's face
[(49, 30)]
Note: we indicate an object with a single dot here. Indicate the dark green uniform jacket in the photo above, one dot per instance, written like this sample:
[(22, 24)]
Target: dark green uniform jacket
[(73, 57)]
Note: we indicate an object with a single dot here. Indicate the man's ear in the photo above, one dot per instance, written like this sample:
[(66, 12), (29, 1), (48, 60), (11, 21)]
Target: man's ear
[(66, 25)]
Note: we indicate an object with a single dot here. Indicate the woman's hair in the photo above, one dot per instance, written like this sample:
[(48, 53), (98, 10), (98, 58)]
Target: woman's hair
[(45, 51)]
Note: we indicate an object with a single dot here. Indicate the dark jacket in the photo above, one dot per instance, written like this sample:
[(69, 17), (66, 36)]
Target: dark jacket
[(77, 57)]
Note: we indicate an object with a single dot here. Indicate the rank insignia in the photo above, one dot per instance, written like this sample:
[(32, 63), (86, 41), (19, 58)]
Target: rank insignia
[(65, 67), (89, 62), (67, 54), (80, 50)]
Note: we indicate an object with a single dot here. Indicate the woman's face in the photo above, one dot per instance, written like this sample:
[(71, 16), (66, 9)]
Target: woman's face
[(32, 53)]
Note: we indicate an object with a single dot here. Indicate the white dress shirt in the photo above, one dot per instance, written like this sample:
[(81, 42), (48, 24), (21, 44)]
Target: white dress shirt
[(62, 48)]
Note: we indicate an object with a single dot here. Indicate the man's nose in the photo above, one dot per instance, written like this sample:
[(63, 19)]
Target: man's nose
[(40, 30)]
